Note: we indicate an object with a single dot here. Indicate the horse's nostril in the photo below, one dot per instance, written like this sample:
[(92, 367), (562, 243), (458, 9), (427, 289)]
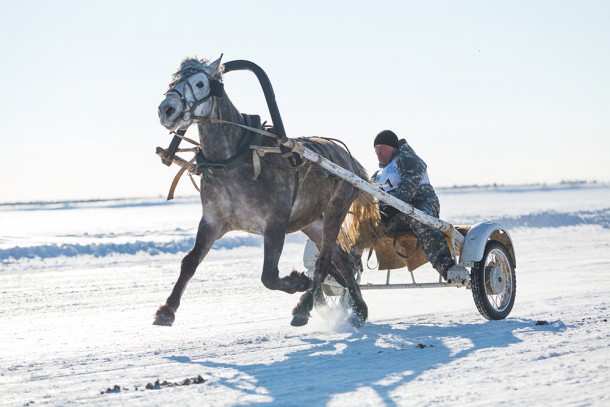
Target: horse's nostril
[(169, 111)]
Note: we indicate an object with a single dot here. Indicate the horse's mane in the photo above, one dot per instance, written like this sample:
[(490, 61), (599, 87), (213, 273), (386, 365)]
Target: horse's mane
[(189, 64), (320, 145)]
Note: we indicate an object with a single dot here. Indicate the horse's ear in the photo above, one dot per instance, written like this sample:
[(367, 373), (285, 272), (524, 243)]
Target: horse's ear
[(216, 64)]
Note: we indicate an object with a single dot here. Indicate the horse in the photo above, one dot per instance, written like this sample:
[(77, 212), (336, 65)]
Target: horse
[(287, 195)]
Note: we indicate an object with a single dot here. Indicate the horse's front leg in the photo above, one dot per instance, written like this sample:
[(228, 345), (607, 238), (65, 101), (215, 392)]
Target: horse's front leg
[(274, 236), (206, 236)]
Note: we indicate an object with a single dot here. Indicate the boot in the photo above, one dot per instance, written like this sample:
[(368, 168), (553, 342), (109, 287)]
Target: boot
[(456, 274)]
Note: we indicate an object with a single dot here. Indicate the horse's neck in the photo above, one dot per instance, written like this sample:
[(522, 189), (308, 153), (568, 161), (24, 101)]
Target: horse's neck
[(220, 141)]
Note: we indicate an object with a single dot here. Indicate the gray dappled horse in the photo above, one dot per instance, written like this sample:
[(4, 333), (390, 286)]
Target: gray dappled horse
[(287, 196)]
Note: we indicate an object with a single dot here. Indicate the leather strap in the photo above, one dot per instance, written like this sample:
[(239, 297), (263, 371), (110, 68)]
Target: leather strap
[(172, 188)]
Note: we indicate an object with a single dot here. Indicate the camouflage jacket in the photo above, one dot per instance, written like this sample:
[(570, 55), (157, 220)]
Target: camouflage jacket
[(406, 178)]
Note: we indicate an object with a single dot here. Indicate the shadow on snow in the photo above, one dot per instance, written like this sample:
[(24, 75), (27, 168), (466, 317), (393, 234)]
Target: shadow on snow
[(379, 357)]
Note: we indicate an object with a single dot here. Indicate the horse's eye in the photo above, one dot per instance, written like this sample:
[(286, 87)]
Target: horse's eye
[(199, 84)]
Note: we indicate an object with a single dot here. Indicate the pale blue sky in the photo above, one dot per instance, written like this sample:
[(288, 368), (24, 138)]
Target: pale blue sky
[(485, 91)]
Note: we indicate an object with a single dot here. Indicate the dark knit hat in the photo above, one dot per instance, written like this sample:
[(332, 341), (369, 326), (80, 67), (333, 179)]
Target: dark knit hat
[(388, 138)]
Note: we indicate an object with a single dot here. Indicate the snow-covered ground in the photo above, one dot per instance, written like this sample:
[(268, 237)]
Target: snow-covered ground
[(80, 281)]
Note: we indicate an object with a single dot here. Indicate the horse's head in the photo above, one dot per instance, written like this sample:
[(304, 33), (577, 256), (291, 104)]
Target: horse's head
[(189, 95)]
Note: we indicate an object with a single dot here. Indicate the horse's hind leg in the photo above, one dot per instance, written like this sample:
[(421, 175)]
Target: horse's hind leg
[(206, 236), (301, 312), (347, 263), (333, 218)]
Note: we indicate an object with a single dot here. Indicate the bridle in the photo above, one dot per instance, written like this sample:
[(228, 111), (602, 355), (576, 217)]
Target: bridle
[(188, 108)]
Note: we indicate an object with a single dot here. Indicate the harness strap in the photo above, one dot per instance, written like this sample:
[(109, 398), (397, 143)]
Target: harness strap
[(183, 137), (243, 147), (227, 165), (256, 164), (295, 191), (369, 258), (253, 129), (172, 188), (257, 153)]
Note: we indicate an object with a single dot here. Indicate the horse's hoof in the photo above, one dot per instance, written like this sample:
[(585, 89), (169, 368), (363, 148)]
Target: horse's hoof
[(299, 320), (300, 281), (162, 322), (164, 317), (356, 320)]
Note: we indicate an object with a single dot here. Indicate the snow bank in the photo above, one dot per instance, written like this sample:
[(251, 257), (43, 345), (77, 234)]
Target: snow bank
[(547, 219), (155, 226)]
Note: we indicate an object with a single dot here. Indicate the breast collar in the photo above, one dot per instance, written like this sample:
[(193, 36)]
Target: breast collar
[(243, 150)]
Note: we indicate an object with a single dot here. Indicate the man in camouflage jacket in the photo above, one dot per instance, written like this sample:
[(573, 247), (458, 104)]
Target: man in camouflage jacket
[(404, 175)]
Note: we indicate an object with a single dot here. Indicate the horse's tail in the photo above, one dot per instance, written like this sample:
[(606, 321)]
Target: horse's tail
[(360, 230)]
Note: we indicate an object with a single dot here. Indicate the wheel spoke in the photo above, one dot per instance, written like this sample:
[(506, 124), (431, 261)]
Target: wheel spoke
[(496, 259), (493, 282)]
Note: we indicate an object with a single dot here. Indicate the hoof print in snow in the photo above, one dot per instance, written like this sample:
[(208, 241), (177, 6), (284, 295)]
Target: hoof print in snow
[(186, 382), (115, 389), (160, 384)]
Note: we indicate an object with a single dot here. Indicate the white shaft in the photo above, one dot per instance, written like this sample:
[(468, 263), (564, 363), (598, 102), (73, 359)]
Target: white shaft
[(366, 186)]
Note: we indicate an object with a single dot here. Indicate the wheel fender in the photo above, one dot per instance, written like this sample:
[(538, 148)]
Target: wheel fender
[(477, 238)]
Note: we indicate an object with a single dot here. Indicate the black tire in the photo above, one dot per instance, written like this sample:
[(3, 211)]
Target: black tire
[(494, 285)]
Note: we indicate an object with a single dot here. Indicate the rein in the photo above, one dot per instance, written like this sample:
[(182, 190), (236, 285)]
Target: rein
[(258, 152), (247, 142), (243, 126), (198, 161)]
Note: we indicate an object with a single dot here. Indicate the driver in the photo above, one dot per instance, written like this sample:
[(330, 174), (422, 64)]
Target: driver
[(403, 175)]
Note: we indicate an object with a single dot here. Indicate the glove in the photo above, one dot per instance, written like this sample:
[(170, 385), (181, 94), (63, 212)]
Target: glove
[(386, 211)]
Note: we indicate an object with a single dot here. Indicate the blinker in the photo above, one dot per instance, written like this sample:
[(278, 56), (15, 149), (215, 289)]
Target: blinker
[(216, 88)]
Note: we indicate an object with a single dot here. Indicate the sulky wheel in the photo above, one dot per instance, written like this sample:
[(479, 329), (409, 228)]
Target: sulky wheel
[(493, 282)]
